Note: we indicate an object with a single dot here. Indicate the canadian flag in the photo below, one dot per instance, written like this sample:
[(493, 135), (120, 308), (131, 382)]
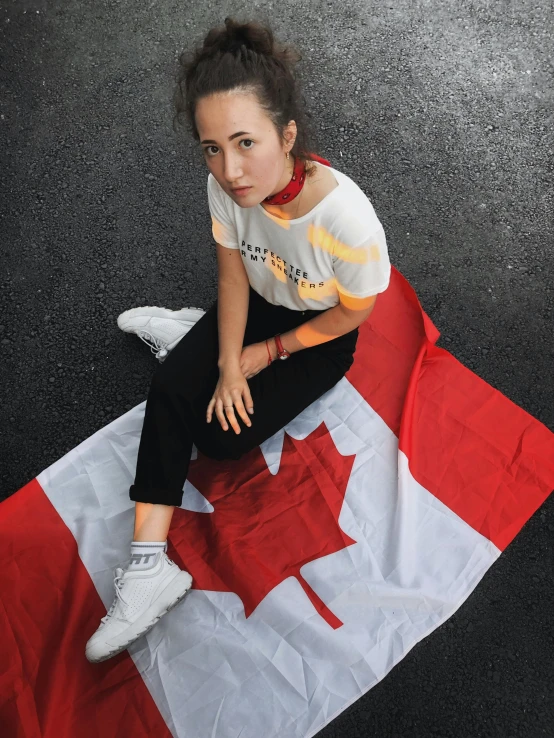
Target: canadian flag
[(319, 559)]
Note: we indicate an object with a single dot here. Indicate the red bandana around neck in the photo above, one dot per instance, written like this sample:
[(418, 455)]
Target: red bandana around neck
[(296, 183)]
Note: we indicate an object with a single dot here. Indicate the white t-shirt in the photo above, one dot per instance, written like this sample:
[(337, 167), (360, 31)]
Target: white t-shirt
[(303, 263)]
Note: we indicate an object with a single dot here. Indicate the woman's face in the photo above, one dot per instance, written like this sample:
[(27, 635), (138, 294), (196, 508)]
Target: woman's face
[(255, 158)]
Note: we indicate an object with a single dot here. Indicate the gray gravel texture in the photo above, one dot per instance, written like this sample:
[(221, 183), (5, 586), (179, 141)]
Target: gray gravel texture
[(440, 110)]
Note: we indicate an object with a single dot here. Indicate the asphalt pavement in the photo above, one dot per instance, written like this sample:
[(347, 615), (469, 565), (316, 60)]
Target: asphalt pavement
[(441, 111)]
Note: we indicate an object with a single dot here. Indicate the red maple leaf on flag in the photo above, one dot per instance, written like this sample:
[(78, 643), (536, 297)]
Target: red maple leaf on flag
[(264, 527)]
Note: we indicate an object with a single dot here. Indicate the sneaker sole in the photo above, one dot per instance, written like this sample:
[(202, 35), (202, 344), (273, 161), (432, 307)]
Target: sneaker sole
[(172, 594), (159, 312)]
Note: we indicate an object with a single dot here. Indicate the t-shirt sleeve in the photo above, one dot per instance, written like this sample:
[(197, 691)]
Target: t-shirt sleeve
[(224, 229), (363, 270)]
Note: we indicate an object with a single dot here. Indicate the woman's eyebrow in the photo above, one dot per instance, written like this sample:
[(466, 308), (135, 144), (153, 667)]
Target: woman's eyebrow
[(234, 135)]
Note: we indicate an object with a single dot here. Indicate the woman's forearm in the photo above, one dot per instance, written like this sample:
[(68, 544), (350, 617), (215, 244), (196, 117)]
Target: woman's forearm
[(232, 313), (330, 324)]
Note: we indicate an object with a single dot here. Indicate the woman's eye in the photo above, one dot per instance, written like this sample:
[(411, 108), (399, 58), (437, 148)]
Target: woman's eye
[(242, 141)]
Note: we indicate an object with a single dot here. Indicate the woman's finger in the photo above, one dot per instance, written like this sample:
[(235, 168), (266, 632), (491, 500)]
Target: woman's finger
[(248, 399), (240, 409), (209, 410), (225, 414), (220, 414), (230, 410)]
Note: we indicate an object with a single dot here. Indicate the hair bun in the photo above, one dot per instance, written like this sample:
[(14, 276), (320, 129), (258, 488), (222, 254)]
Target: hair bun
[(248, 35), (233, 40)]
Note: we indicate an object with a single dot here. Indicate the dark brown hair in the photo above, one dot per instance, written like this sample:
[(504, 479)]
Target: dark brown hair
[(246, 56)]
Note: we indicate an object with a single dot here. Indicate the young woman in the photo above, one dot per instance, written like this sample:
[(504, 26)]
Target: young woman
[(301, 258)]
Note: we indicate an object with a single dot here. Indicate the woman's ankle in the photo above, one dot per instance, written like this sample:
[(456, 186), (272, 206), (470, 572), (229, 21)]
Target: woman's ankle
[(152, 522)]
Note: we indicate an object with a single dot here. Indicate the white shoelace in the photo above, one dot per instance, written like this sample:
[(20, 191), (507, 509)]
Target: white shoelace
[(117, 582), (157, 346)]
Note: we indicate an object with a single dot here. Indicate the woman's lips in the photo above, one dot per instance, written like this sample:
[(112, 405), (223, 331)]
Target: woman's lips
[(242, 191)]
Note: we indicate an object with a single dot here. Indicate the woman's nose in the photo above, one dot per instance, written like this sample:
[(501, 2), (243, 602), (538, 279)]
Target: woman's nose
[(233, 171)]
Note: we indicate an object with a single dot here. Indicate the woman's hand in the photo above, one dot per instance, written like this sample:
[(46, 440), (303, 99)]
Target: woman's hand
[(230, 390), (254, 357)]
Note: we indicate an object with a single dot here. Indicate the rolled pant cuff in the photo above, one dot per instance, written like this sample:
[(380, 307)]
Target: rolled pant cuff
[(156, 496)]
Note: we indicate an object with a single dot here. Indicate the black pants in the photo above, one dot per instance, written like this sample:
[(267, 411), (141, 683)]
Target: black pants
[(182, 387)]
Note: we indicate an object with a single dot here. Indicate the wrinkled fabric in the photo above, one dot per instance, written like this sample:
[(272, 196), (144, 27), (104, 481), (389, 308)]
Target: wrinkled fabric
[(319, 559)]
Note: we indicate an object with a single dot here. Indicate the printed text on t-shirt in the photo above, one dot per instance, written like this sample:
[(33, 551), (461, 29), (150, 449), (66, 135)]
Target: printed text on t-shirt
[(281, 265)]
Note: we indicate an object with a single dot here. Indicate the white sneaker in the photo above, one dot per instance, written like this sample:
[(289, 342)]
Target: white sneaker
[(159, 327), (142, 597)]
